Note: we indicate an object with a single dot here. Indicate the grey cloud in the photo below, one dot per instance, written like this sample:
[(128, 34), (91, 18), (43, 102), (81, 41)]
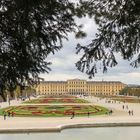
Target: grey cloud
[(63, 62)]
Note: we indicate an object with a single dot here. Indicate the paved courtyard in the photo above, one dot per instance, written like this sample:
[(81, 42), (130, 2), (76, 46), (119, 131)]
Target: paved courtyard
[(119, 115)]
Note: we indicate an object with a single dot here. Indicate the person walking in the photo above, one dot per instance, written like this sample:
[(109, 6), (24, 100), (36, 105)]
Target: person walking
[(9, 114), (88, 114), (123, 107), (126, 106), (73, 114), (111, 111), (132, 113), (129, 112), (12, 114), (4, 115)]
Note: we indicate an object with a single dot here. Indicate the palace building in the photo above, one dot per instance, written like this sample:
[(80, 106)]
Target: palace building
[(79, 87)]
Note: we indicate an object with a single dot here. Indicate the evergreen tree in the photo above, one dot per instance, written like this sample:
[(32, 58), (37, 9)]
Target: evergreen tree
[(29, 31), (118, 32)]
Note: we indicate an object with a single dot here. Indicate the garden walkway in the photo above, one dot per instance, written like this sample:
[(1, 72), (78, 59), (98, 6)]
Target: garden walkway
[(120, 117)]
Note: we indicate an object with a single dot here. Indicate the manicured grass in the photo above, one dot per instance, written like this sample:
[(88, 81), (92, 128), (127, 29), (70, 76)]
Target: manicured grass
[(55, 100), (126, 99), (54, 110), (58, 96)]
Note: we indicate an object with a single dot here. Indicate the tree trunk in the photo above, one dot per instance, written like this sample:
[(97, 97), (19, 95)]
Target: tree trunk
[(21, 91), (12, 94), (3, 97)]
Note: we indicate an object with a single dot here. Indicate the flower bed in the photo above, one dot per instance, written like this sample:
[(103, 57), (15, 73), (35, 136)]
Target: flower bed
[(55, 100), (54, 111), (58, 96), (126, 99)]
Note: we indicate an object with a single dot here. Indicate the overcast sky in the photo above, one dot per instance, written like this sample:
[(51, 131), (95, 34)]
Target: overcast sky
[(63, 62)]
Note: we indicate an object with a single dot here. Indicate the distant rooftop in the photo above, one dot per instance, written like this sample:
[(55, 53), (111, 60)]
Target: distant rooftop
[(81, 80), (53, 82), (104, 82)]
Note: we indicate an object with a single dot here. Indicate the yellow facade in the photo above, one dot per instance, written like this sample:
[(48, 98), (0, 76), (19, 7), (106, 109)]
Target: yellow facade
[(79, 87)]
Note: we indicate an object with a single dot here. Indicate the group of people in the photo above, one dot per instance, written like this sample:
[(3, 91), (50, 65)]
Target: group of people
[(8, 114), (130, 112), (123, 107), (73, 114)]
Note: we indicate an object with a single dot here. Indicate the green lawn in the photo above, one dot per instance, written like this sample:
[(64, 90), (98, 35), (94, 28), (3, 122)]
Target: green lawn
[(126, 99), (55, 101), (54, 110), (58, 96)]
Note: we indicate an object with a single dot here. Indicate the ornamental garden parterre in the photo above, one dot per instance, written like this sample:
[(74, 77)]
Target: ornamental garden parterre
[(63, 107)]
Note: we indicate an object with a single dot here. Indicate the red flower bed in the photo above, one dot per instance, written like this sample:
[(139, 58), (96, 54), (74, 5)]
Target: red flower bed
[(68, 112), (32, 107), (55, 100), (50, 110), (37, 113)]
